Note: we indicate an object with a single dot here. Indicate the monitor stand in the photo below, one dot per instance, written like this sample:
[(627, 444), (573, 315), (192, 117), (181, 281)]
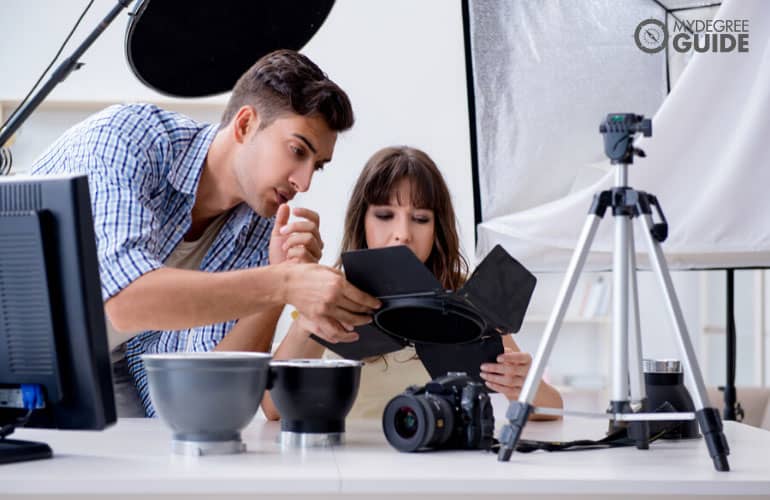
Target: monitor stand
[(16, 450)]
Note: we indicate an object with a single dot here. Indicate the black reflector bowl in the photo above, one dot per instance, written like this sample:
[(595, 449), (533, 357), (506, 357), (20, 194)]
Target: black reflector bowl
[(207, 398), (196, 48), (430, 319), (313, 397)]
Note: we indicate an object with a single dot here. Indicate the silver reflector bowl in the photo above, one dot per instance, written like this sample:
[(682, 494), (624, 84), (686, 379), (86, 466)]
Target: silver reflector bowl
[(207, 398)]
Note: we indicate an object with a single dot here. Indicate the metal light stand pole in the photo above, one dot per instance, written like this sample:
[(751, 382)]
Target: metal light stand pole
[(60, 73), (628, 403)]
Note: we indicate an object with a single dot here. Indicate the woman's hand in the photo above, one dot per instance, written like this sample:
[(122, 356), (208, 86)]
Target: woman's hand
[(508, 374)]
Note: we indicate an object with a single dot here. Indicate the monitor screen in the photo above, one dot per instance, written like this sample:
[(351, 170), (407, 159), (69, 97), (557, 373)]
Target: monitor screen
[(52, 326)]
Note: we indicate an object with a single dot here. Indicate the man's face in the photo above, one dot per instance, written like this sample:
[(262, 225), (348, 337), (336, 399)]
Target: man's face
[(275, 163)]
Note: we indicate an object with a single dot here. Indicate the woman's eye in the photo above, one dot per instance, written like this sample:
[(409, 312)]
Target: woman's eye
[(421, 220), (383, 216), (297, 151)]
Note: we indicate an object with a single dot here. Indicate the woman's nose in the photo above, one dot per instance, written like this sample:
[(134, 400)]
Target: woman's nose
[(401, 233)]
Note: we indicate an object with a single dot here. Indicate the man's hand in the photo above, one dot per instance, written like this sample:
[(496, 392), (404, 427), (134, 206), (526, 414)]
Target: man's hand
[(508, 374), (299, 241), (329, 305), (307, 326)]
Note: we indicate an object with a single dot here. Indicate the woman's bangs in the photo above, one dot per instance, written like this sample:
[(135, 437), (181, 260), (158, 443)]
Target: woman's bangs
[(382, 187)]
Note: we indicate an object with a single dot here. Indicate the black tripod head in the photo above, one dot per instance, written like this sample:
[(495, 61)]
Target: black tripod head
[(619, 130)]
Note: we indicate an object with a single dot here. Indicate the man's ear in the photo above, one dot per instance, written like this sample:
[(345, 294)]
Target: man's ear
[(245, 122)]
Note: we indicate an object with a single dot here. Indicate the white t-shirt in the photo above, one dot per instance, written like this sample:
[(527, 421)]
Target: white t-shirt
[(186, 255)]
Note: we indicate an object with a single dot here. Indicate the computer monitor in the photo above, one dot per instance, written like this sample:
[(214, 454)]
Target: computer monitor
[(52, 327)]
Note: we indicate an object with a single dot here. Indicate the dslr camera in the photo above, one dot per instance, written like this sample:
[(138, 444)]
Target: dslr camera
[(449, 412)]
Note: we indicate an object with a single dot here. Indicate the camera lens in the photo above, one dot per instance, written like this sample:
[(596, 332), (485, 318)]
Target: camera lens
[(405, 422), (414, 422)]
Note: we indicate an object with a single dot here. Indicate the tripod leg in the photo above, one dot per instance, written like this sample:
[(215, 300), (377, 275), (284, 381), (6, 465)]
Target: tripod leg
[(638, 430), (620, 267), (518, 411), (708, 418)]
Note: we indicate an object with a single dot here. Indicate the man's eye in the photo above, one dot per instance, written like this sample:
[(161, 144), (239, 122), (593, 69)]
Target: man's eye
[(297, 151), (319, 167)]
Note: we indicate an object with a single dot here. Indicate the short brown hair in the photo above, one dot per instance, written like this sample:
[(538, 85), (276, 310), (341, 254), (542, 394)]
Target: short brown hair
[(377, 182), (286, 81)]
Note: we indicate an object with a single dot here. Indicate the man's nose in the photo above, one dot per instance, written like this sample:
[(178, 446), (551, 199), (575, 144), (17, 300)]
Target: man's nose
[(300, 179)]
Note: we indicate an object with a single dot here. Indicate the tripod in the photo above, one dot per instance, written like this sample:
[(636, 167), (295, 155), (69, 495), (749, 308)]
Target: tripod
[(628, 405)]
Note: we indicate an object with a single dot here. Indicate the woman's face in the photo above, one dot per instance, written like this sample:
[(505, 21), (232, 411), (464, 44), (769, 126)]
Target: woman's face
[(400, 223)]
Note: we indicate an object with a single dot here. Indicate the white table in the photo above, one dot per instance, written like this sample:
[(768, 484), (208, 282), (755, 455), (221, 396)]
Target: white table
[(132, 458)]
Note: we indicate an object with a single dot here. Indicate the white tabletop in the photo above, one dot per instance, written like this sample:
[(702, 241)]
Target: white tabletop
[(133, 458)]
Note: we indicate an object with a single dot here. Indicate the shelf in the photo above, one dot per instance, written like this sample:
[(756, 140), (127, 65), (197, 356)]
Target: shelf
[(714, 330), (215, 102), (572, 320)]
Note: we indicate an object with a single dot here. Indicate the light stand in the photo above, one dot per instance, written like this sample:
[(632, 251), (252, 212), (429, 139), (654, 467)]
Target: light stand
[(628, 404), (60, 73)]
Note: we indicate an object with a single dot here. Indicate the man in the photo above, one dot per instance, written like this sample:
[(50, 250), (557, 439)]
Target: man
[(188, 248)]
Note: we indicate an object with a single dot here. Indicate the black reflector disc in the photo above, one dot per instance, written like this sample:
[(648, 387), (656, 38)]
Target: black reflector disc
[(196, 48)]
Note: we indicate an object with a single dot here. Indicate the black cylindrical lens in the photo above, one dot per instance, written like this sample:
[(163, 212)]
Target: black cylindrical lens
[(405, 422), (414, 422)]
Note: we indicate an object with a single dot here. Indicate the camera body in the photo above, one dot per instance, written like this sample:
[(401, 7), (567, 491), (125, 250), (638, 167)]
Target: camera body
[(449, 412)]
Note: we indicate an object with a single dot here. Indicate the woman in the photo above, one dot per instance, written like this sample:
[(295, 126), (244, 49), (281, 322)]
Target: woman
[(401, 198)]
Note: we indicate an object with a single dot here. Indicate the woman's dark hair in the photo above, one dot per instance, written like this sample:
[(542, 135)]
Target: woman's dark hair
[(375, 186), (284, 82)]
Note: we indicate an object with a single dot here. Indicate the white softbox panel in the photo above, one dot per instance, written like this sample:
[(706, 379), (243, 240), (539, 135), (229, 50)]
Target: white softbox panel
[(706, 159)]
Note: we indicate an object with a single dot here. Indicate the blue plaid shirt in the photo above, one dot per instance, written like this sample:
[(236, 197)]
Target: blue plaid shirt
[(143, 165)]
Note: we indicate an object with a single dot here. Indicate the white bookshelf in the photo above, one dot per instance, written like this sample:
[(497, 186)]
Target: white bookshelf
[(541, 319)]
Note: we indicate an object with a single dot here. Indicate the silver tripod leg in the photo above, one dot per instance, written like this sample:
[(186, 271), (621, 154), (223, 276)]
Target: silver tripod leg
[(531, 382), (659, 265), (518, 411), (620, 266), (638, 393), (639, 430), (708, 418)]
